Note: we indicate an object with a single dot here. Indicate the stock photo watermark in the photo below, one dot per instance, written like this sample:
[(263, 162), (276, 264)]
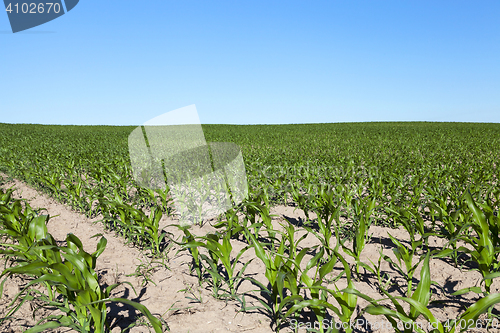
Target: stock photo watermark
[(24, 15), (363, 324), (204, 179)]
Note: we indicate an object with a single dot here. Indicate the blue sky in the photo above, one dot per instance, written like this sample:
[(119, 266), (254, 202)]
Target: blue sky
[(255, 62)]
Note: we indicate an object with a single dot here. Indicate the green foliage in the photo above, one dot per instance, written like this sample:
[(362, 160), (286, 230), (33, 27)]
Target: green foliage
[(67, 272), (434, 179)]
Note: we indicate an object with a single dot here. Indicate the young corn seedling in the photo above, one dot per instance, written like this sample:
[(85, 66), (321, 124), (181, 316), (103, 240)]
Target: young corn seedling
[(327, 211), (151, 225), (280, 185), (127, 222), (220, 252), (362, 211), (54, 182), (134, 225), (75, 191), (165, 199), (404, 255), (231, 224), (110, 209), (252, 209), (145, 197), (25, 228), (384, 280), (413, 223), (281, 272), (417, 300), (5, 196), (71, 273), (453, 226), (289, 275), (293, 259), (26, 248), (485, 252), (318, 302), (347, 301), (302, 200), (469, 319), (439, 206), (187, 238)]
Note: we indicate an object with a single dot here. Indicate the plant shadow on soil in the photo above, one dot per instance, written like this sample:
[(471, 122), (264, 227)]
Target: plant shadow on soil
[(124, 316)]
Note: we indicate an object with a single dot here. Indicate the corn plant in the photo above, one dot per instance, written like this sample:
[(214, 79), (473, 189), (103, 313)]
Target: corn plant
[(293, 260), (135, 225), (362, 211), (76, 193), (70, 272), (24, 227), (405, 256), (165, 199), (384, 280), (301, 200), (471, 315), (5, 196), (327, 210), (220, 252), (418, 307), (452, 227), (253, 208), (151, 224), (54, 182), (418, 301), (187, 238), (412, 222), (347, 301), (485, 245), (281, 272), (232, 223), (318, 302)]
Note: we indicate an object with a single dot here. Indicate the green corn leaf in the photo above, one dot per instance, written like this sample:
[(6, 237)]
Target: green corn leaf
[(390, 315), (259, 250), (480, 307), (313, 303), (157, 326), (46, 326), (477, 290), (491, 276), (38, 228), (422, 293), (421, 308), (327, 268), (101, 246)]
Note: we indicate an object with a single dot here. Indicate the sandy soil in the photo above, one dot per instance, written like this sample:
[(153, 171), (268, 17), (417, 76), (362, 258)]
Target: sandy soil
[(174, 283)]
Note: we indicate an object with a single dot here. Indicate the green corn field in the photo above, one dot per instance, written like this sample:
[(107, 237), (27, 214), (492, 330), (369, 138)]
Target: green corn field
[(427, 195)]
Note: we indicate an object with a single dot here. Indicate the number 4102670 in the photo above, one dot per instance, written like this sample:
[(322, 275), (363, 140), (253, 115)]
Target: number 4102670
[(33, 8)]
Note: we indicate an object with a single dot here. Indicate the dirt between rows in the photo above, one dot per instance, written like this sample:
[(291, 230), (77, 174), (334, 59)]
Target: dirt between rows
[(173, 283)]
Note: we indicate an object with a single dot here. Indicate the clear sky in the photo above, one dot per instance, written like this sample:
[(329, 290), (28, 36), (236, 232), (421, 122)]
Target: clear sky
[(112, 62)]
